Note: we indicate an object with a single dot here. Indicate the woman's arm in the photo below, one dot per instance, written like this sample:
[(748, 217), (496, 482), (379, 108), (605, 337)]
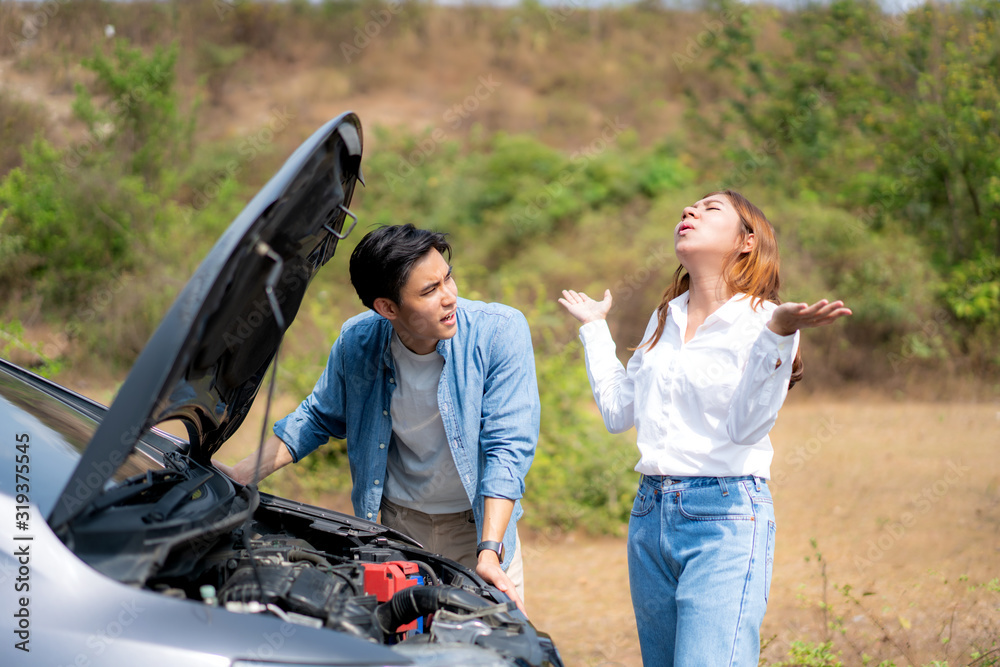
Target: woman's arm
[(612, 385), (764, 385)]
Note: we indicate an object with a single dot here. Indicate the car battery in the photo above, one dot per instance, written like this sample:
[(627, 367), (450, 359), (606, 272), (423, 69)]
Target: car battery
[(383, 580)]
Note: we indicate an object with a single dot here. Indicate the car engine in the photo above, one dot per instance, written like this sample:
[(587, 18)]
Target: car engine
[(377, 589)]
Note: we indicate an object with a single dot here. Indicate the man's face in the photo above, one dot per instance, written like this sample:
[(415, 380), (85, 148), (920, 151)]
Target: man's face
[(426, 312)]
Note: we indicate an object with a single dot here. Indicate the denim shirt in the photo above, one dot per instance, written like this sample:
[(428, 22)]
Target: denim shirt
[(488, 397)]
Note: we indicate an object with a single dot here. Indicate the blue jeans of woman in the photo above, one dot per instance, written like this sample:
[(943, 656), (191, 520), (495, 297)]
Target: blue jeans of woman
[(700, 552)]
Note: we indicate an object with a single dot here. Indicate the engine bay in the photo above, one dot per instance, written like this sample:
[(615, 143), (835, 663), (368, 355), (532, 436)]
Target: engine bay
[(314, 572)]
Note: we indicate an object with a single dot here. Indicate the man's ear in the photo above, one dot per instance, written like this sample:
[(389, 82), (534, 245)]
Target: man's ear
[(387, 308)]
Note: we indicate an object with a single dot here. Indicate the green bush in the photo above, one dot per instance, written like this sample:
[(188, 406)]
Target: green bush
[(19, 123), (66, 230)]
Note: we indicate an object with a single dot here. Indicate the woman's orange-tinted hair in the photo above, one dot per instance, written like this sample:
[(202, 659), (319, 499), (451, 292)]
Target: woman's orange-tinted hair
[(754, 273)]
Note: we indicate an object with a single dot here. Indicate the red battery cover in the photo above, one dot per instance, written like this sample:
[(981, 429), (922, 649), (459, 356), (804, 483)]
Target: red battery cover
[(383, 580)]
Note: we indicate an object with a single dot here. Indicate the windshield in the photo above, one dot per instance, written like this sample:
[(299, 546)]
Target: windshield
[(53, 435)]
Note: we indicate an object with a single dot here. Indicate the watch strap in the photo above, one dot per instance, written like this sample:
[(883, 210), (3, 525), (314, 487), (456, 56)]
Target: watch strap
[(490, 545)]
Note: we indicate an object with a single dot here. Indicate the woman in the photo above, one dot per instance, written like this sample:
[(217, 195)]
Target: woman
[(703, 390)]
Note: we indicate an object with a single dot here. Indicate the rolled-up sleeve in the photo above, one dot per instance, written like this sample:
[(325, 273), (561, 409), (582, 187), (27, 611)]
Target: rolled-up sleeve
[(321, 415), (510, 411), (763, 387)]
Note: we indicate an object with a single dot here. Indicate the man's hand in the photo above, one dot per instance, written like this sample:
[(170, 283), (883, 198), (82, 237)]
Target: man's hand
[(489, 569), (790, 317), (274, 457), (228, 470), (583, 308)]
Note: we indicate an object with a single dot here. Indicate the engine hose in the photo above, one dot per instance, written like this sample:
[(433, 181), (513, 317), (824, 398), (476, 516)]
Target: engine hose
[(411, 603), (296, 555), (428, 572)]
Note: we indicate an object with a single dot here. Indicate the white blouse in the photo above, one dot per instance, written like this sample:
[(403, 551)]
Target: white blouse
[(701, 408)]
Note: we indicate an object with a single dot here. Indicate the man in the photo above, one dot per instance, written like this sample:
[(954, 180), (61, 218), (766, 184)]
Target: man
[(438, 400)]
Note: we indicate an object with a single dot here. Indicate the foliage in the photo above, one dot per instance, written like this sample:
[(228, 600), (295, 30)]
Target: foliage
[(66, 235), (142, 122), (896, 116), (804, 654), (581, 478), (218, 62), (869, 636), (19, 123), (13, 345), (79, 223)]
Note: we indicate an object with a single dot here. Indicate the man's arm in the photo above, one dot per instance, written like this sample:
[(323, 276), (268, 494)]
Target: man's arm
[(508, 436), (318, 418), (496, 516), (274, 457), (510, 411)]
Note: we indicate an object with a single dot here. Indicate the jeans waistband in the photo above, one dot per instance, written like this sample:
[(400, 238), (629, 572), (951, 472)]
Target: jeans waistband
[(667, 481)]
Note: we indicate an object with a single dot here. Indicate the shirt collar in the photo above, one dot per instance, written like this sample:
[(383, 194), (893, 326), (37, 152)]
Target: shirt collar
[(728, 312)]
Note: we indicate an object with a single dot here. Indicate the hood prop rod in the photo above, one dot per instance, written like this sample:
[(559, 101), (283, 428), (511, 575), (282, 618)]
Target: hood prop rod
[(265, 250)]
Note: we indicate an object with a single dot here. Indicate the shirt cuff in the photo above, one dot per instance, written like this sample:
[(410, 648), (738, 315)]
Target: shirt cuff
[(596, 332), (499, 485), (782, 345)]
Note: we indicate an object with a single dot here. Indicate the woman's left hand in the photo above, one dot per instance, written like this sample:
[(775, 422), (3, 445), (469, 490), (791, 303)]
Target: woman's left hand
[(790, 317)]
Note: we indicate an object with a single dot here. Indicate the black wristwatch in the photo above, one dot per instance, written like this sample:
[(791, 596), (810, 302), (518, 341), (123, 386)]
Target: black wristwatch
[(489, 545)]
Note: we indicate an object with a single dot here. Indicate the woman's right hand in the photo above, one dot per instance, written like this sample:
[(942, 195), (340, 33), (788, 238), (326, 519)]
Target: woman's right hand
[(583, 308)]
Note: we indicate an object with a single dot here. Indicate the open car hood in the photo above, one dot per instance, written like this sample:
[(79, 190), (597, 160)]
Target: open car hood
[(208, 358)]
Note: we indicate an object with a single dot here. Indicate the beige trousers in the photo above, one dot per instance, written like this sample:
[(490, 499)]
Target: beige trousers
[(452, 535)]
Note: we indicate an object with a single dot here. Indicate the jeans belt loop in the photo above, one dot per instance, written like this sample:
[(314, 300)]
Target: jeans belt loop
[(756, 481), (722, 484)]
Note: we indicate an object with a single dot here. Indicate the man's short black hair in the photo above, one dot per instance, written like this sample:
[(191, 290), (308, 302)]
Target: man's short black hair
[(381, 264)]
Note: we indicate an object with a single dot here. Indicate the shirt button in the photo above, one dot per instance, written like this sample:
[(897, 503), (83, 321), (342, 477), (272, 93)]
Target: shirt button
[(385, 413), (376, 482), (392, 380), (381, 445), (369, 515)]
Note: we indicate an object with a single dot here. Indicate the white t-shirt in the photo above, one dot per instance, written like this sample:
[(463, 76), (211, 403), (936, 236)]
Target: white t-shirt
[(421, 471), (700, 408)]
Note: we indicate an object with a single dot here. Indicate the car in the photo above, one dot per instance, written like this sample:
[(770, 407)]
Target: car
[(124, 545)]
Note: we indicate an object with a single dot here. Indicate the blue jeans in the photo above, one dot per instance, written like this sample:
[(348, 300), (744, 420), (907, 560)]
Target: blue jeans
[(700, 551)]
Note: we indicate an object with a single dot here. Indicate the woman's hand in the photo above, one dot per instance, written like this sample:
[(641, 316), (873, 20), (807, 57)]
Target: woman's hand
[(583, 308), (790, 317)]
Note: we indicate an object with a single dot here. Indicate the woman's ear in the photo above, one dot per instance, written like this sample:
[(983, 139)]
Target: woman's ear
[(749, 243)]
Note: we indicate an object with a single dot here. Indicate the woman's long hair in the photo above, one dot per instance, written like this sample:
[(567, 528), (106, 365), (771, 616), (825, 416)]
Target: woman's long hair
[(754, 273)]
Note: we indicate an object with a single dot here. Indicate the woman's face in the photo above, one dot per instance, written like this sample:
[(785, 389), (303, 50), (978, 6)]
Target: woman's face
[(709, 228)]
